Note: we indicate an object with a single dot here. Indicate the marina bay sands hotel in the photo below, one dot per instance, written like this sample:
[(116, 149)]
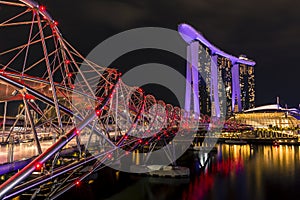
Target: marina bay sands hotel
[(217, 83)]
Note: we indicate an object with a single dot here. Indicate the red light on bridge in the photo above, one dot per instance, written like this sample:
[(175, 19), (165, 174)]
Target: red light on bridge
[(77, 132), (140, 141), (67, 62), (42, 8), (77, 183), (38, 166), (70, 74), (98, 112), (55, 23), (109, 156), (126, 137), (29, 97)]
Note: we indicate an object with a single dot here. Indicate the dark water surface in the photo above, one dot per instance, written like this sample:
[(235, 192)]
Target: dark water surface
[(234, 172)]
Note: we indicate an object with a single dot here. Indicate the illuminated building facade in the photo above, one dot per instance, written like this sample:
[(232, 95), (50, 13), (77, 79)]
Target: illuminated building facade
[(217, 83), (204, 63), (247, 83), (224, 66), (271, 118)]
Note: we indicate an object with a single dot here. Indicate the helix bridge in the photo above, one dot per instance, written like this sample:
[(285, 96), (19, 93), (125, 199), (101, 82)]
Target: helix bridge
[(85, 109)]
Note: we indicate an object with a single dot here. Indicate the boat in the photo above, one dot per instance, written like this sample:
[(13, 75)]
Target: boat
[(27, 140), (205, 148), (241, 142)]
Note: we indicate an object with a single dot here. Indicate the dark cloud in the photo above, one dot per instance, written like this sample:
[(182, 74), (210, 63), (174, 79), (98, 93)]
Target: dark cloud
[(117, 14), (266, 31)]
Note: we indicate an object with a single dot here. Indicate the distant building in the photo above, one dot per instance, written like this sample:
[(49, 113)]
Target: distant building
[(220, 83), (247, 83), (271, 117)]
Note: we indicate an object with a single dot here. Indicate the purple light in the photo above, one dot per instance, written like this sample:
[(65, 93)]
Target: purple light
[(192, 74), (188, 86), (236, 90), (214, 84), (42, 8), (194, 61), (188, 33)]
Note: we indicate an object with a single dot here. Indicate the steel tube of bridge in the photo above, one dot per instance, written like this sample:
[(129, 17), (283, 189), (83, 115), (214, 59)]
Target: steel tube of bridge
[(236, 89), (33, 92), (25, 172), (48, 177), (50, 74), (28, 114), (42, 97)]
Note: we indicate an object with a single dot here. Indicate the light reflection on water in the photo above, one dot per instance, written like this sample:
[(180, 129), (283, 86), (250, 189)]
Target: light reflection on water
[(240, 172), (23, 151), (234, 172)]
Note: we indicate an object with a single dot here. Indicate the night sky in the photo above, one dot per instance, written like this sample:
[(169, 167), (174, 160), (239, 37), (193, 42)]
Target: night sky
[(266, 31)]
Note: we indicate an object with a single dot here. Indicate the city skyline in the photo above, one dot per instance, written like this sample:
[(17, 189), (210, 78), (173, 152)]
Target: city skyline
[(217, 82), (262, 31), (132, 110)]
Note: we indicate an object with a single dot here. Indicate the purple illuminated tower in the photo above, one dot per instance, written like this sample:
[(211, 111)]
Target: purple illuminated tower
[(214, 90), (236, 89), (194, 39), (192, 79)]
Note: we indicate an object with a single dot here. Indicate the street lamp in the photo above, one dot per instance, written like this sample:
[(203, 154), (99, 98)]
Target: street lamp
[(20, 107)]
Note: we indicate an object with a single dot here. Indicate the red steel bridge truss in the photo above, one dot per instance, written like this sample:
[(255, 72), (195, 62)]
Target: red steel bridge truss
[(81, 104)]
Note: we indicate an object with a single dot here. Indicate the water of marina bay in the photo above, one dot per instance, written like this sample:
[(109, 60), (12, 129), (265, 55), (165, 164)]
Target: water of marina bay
[(233, 172)]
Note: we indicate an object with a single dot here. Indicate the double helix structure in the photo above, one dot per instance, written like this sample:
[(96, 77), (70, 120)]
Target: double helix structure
[(82, 108), (78, 117)]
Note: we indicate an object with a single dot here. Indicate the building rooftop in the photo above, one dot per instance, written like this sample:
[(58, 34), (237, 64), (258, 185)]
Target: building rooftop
[(275, 108)]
